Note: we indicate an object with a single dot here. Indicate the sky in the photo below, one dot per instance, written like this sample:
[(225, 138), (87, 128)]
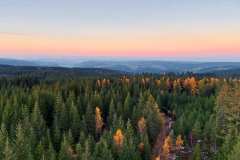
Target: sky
[(169, 29)]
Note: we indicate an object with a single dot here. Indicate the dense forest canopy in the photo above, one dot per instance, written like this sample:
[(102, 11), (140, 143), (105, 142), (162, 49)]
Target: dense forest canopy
[(110, 116)]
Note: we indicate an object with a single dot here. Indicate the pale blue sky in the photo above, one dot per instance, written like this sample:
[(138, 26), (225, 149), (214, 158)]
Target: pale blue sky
[(77, 16)]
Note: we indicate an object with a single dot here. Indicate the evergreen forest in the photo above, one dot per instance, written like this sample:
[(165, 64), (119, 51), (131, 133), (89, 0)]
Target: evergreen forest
[(63, 116)]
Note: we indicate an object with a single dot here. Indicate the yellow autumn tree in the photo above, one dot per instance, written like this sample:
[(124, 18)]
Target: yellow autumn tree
[(177, 85), (167, 146), (157, 158), (166, 150), (104, 82), (191, 84), (179, 142), (141, 125), (98, 83), (118, 138), (99, 120), (141, 147), (168, 83), (143, 81), (147, 80), (108, 82), (125, 80), (169, 141), (158, 82)]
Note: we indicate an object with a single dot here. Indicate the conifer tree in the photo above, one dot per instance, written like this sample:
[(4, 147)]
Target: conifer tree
[(79, 150), (111, 113), (235, 153), (154, 118), (129, 149), (56, 136), (127, 107), (75, 121), (102, 152), (196, 153), (51, 154), (39, 151), (90, 120), (147, 147), (37, 121), (65, 151), (22, 147), (8, 152), (3, 137), (86, 155), (196, 131)]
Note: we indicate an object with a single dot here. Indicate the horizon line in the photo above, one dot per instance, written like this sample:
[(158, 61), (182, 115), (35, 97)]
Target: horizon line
[(120, 58)]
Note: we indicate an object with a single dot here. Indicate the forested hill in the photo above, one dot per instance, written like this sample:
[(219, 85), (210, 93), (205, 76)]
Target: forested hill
[(8, 70)]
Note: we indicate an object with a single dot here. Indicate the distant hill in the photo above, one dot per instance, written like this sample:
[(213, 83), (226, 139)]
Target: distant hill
[(21, 62), (16, 62), (7, 70), (131, 66), (162, 66)]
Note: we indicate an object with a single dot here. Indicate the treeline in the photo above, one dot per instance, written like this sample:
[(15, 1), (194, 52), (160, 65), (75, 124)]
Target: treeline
[(81, 118)]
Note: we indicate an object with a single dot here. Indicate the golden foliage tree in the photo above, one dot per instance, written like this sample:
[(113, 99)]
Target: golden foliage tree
[(98, 83), (191, 84), (141, 147), (141, 125), (168, 83), (179, 142), (158, 82), (167, 146), (104, 82), (118, 138), (177, 85), (99, 120), (143, 81), (125, 80), (157, 158), (166, 150), (147, 79)]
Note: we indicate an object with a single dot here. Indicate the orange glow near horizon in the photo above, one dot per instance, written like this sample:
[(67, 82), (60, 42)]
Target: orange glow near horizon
[(143, 45)]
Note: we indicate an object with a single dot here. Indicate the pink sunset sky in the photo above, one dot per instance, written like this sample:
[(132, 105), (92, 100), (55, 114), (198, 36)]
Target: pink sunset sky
[(174, 29)]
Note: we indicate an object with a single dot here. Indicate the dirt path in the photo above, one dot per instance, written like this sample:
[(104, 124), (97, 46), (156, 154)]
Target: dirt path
[(166, 129)]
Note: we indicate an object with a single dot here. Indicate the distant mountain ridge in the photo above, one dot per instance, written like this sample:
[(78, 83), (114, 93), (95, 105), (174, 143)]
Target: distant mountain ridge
[(131, 66), (8, 70), (17, 62), (162, 66)]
